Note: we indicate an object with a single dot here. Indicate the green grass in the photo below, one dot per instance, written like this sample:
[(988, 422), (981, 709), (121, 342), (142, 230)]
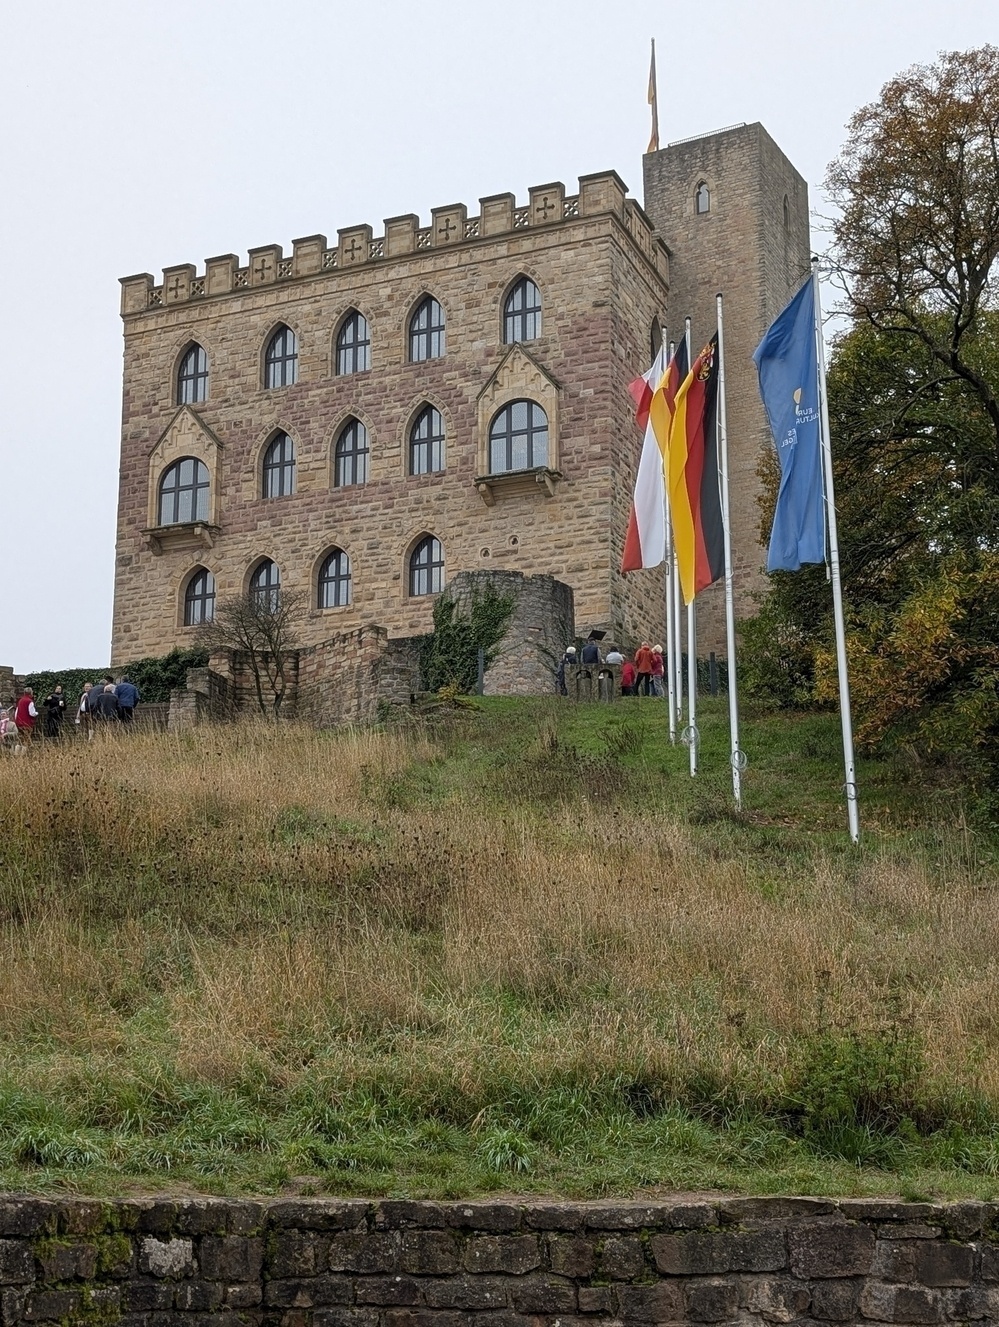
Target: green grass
[(510, 947)]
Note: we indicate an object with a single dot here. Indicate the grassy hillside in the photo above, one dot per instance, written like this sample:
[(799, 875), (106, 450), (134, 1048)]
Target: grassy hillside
[(516, 948)]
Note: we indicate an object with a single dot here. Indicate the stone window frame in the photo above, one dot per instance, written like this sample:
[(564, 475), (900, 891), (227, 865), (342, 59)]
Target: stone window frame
[(521, 278), (519, 377), (195, 487), (412, 548), (415, 416), (186, 583), (266, 344), (532, 428), (186, 435), (702, 185), (414, 308), (278, 431), (255, 567), (346, 420), (341, 322), (190, 345), (317, 578)]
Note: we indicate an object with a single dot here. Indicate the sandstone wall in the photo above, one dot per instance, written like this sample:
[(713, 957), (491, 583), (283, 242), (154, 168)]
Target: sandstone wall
[(513, 1263)]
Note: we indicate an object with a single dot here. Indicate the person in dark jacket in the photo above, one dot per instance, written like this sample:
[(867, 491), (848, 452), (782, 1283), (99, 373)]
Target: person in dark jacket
[(54, 706), (128, 697), (105, 707)]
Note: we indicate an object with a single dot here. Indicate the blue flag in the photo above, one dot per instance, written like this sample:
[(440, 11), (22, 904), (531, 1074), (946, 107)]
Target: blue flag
[(789, 385)]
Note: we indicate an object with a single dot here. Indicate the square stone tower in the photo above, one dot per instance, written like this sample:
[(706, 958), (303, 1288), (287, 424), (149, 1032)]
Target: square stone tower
[(734, 213)]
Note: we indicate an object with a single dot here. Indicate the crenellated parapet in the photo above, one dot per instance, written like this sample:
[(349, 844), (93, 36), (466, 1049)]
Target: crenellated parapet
[(548, 206)]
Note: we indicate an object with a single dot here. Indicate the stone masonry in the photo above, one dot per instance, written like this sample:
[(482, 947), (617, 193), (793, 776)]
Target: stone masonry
[(154, 1262), (752, 246), (608, 273), (602, 275)]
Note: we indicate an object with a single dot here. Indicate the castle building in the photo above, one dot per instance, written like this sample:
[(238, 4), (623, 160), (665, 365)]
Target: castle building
[(359, 422)]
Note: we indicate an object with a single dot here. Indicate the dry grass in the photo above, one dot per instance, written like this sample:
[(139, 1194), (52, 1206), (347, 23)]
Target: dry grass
[(268, 917)]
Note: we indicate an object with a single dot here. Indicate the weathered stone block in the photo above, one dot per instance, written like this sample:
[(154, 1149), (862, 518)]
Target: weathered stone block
[(543, 1294), (777, 1298), (167, 1257), (704, 1252), (908, 1304), (467, 1293), (660, 1303), (484, 1216), (338, 1317), (231, 1257), (399, 1214), (388, 1290), (572, 1257), (940, 1264), (596, 1299), (65, 1262), (27, 1216), (833, 1248), (773, 1209), (145, 1296), (434, 1251), (12, 1305), (834, 1300), (989, 1254), (711, 1301), (894, 1260), (17, 1263), (243, 1296), (553, 1216), (44, 1305), (309, 1292), (198, 1297), (964, 1220), (503, 1253), (296, 1253), (364, 1251), (318, 1214), (622, 1258)]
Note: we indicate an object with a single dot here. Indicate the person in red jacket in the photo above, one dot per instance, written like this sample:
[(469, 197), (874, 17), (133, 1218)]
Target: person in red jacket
[(643, 667), (628, 678), (25, 716)]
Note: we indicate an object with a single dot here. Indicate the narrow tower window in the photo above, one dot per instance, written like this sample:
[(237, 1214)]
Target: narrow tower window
[(199, 598), (426, 331), (279, 467), (522, 312), (426, 443), (192, 377), (334, 581), (353, 344), (281, 359), (702, 199), (426, 567), (350, 462)]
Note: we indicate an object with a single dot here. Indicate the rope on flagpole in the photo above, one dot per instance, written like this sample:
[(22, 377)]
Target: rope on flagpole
[(737, 758)]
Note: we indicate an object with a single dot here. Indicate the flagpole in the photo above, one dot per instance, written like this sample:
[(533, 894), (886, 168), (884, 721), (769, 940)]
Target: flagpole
[(846, 719), (691, 634), (670, 609), (738, 759)]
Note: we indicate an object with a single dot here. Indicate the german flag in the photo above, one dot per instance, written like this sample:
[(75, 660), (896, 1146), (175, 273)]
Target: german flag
[(695, 499)]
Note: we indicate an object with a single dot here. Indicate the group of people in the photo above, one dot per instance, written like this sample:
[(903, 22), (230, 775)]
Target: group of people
[(640, 676), (99, 704)]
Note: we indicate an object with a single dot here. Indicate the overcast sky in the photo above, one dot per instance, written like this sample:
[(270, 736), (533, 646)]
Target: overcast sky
[(142, 133)]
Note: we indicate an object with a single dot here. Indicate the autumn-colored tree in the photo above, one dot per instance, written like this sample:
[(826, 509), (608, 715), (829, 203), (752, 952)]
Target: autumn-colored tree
[(917, 231)]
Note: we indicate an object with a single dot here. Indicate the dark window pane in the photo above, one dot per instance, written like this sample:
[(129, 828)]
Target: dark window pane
[(279, 467), (518, 438), (184, 493), (335, 581), (265, 585), (199, 600), (192, 377), (426, 443), (426, 331), (281, 359), (426, 567), (351, 456), (522, 312), (353, 346)]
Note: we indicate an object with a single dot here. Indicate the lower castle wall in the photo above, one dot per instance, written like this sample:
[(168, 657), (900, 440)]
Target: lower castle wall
[(161, 1262)]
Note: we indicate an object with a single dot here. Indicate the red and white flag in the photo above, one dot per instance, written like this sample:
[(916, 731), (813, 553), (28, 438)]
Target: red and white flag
[(645, 542)]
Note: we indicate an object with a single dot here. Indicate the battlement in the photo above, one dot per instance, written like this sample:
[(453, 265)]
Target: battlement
[(548, 206)]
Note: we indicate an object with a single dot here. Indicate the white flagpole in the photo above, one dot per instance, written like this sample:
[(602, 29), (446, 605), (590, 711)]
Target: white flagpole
[(691, 636), (670, 608), (738, 759), (846, 718)]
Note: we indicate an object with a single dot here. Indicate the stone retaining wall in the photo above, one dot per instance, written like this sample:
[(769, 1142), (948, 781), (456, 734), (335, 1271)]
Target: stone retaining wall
[(331, 1263)]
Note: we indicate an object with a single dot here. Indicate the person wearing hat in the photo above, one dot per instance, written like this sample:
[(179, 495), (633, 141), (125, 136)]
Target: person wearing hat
[(568, 660)]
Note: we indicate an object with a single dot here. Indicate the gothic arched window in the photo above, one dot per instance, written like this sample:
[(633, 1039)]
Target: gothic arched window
[(353, 344), (350, 461), (334, 580), (518, 438), (184, 493), (426, 331), (279, 467), (426, 567), (199, 598), (522, 312), (192, 376), (265, 586), (281, 359), (702, 199), (426, 442)]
